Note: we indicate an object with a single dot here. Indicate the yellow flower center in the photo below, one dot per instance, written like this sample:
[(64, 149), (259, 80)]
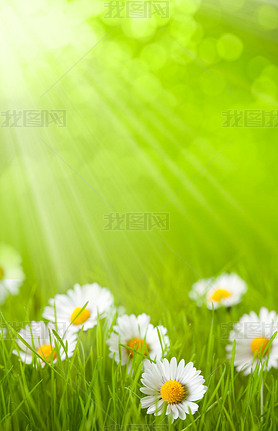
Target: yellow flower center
[(258, 346), (139, 345), (83, 316), (220, 294), (173, 392), (1, 273), (46, 351)]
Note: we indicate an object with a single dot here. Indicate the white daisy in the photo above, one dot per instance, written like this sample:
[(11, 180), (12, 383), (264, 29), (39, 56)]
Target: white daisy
[(225, 290), (138, 334), (67, 308), (177, 386), (42, 339), (11, 273), (252, 334)]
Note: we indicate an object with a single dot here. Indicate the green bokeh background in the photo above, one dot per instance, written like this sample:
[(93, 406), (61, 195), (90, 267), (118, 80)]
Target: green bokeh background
[(144, 101)]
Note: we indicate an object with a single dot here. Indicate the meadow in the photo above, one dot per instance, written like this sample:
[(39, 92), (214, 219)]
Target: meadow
[(146, 103)]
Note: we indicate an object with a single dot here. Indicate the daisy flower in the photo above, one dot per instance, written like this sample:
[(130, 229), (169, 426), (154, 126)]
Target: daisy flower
[(225, 290), (41, 337), (138, 334), (11, 273), (176, 385), (252, 334), (67, 308)]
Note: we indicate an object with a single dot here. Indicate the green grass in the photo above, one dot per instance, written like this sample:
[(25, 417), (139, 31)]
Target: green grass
[(91, 392), (144, 134)]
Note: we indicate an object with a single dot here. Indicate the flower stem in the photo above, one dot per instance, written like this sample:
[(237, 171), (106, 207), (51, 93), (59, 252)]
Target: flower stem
[(262, 399)]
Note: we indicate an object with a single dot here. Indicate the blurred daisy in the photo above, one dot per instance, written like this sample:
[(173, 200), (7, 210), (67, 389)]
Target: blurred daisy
[(11, 273), (176, 385), (42, 339), (252, 334), (67, 308), (225, 290), (3, 332), (138, 335)]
